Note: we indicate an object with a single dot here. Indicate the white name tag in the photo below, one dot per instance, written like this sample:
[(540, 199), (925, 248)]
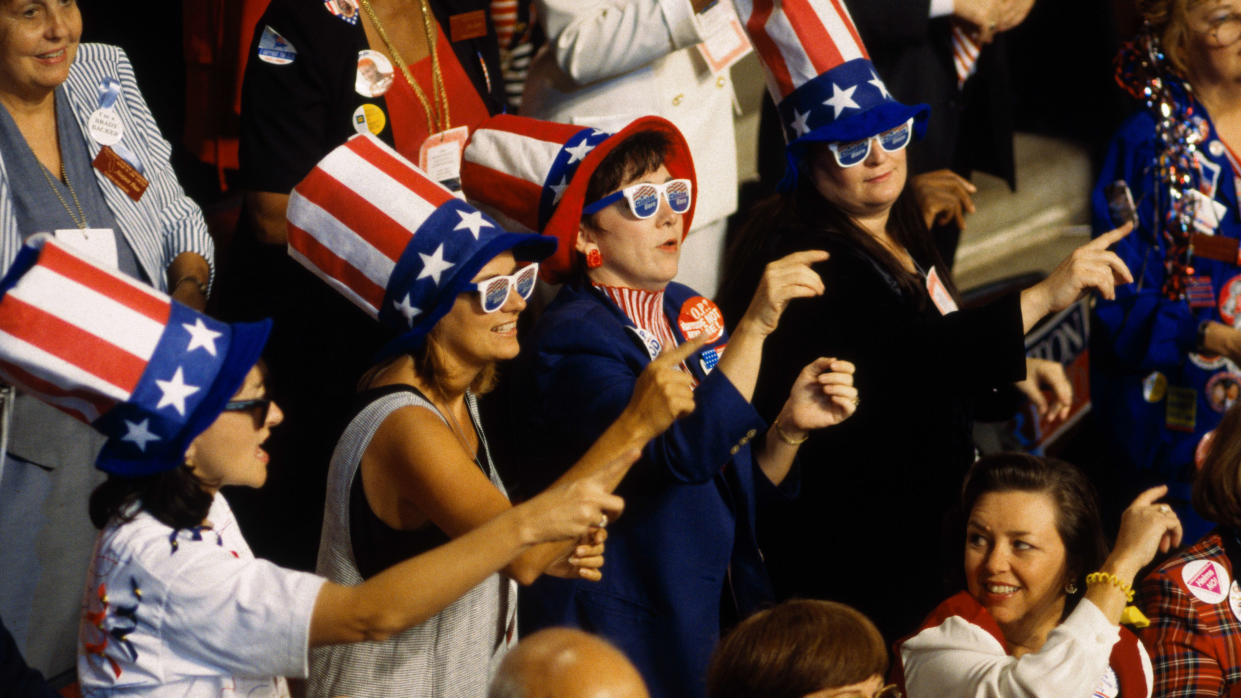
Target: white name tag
[(97, 243)]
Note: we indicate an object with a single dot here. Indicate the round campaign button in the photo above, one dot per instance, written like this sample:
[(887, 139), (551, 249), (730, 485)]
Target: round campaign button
[(369, 118), (1230, 301), (1154, 387), (1207, 580), (374, 75), (699, 315), (105, 127)]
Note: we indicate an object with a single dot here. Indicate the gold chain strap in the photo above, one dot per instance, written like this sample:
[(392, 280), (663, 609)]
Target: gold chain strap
[(78, 220), (440, 120)]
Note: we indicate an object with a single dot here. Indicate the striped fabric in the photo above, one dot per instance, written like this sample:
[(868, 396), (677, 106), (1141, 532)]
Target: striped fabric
[(965, 50), (1195, 646), (117, 354), (453, 653), (645, 309), (164, 222), (504, 18)]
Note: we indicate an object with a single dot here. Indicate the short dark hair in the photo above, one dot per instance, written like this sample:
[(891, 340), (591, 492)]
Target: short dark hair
[(798, 647), (1076, 505), (637, 155), (1217, 486), (176, 498)]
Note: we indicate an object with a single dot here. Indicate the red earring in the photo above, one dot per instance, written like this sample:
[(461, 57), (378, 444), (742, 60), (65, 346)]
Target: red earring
[(594, 260)]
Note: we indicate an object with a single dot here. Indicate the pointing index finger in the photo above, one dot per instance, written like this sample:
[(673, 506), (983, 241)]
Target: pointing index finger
[(683, 352), (1111, 237)]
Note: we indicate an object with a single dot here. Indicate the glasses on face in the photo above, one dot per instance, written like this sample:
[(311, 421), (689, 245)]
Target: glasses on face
[(643, 198), (260, 407), (1224, 29), (493, 292), (855, 152)]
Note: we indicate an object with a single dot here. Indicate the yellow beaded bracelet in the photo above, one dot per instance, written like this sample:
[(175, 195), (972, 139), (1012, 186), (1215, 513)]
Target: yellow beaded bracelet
[(1109, 578)]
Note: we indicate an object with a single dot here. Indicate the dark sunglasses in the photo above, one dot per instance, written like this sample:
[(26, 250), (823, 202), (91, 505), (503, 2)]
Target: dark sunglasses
[(263, 403)]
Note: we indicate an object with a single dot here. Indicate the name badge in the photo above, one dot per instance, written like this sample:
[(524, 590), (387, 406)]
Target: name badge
[(939, 293), (467, 25), (440, 156), (121, 173), (97, 243)]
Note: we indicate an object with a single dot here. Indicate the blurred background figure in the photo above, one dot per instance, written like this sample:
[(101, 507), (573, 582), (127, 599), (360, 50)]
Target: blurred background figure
[(816, 649), (1168, 347), (566, 663)]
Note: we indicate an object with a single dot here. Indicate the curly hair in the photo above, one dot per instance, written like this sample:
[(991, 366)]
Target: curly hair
[(1169, 19)]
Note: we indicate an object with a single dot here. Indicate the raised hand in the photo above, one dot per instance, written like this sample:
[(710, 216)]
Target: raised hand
[(664, 392), (823, 395), (943, 196), (1146, 527), (783, 280), (1091, 266)]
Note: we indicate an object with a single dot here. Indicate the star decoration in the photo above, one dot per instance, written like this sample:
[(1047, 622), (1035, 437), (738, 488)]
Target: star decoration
[(841, 99), (407, 309), (139, 434), (472, 222), (201, 337), (579, 151), (883, 90), (433, 265), (799, 122), (175, 391), (558, 189)]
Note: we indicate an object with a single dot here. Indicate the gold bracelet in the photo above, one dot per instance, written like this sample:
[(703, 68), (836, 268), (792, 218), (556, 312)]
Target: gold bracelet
[(1109, 578), (785, 437)]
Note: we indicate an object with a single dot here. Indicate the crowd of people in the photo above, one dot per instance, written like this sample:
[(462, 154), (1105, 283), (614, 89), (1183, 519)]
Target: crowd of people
[(712, 472)]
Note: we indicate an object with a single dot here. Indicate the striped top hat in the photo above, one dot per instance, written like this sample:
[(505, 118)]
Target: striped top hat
[(147, 372), (533, 174), (393, 241), (819, 73)]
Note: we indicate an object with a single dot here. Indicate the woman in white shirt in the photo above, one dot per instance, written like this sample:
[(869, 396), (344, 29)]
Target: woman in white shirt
[(1043, 598)]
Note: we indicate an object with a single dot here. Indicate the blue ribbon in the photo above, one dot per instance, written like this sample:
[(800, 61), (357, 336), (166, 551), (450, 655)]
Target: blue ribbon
[(109, 93)]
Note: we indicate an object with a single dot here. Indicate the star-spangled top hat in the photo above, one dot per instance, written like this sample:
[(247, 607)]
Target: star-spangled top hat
[(532, 175), (147, 372), (820, 75), (392, 240)]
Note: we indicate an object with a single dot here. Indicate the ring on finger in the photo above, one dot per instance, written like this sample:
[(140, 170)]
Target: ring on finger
[(603, 520), (1165, 509)]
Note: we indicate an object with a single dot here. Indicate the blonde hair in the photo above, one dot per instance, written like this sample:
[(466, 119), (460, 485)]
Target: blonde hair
[(1169, 19)]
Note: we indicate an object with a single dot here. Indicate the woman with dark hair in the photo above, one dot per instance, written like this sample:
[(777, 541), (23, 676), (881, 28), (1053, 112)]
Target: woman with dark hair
[(1193, 599), (1043, 596), (175, 602), (801, 649), (1169, 347), (925, 367), (621, 205)]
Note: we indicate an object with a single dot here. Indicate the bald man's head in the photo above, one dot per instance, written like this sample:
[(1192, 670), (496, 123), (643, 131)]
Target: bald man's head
[(566, 663)]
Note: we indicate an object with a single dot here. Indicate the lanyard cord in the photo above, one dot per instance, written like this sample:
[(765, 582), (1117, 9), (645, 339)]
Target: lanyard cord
[(78, 220), (439, 121)]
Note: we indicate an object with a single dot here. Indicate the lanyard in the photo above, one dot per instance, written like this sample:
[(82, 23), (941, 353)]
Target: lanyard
[(439, 121)]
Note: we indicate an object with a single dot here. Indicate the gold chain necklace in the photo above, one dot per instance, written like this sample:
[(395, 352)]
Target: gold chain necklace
[(440, 120), (78, 220)]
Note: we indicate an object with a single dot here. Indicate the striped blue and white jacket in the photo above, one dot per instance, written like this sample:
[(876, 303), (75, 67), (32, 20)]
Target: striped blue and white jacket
[(164, 222)]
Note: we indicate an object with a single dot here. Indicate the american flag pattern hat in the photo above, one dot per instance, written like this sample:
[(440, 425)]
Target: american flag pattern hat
[(147, 372), (533, 174), (819, 73), (397, 244)]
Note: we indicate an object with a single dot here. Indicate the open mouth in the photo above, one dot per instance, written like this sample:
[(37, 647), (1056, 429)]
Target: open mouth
[(669, 245), (506, 328), (51, 56), (1000, 589)]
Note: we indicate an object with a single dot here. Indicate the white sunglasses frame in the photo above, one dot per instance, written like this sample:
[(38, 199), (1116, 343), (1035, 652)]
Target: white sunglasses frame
[(836, 147)]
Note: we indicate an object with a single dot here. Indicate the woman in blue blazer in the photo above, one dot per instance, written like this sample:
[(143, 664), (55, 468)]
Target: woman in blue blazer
[(686, 548)]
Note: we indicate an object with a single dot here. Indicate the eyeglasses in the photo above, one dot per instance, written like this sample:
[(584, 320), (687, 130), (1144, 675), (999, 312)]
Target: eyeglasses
[(1224, 30), (643, 198), (263, 403), (493, 292), (855, 152)]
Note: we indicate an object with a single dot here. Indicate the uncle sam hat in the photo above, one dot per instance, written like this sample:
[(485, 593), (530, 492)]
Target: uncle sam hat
[(397, 244), (533, 174), (147, 372), (820, 75)]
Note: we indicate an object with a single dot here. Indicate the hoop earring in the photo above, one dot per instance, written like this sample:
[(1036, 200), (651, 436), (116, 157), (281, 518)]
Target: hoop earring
[(594, 260), (1070, 588)]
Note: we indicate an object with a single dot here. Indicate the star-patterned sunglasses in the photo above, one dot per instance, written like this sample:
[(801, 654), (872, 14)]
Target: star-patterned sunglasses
[(261, 406), (493, 292), (643, 198), (855, 152)]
